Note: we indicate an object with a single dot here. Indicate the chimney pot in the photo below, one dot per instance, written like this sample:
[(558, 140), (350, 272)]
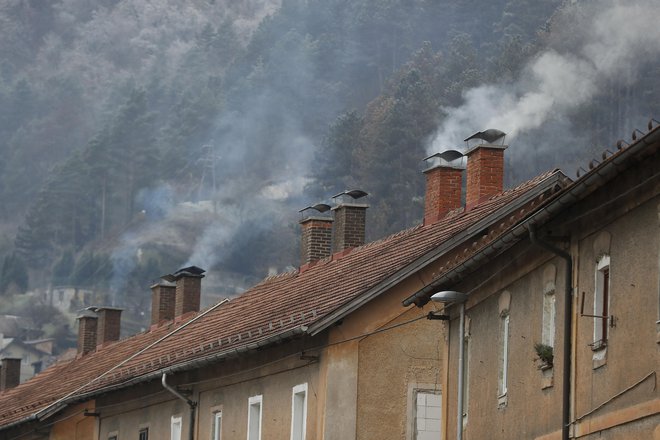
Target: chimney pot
[(485, 173), (87, 329), (316, 240), (163, 298), (10, 373), (109, 325)]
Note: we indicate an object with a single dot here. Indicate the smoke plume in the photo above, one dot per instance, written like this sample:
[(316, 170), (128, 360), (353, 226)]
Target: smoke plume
[(597, 45)]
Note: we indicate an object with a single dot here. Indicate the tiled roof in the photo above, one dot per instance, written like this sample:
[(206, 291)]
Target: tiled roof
[(278, 305)]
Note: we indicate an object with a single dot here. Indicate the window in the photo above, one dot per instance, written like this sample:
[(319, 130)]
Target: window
[(254, 418), (112, 437), (549, 313), (602, 302), (504, 361), (175, 428), (428, 414), (299, 412), (217, 425), (144, 434)]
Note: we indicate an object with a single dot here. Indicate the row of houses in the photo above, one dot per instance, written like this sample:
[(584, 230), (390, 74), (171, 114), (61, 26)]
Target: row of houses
[(560, 335)]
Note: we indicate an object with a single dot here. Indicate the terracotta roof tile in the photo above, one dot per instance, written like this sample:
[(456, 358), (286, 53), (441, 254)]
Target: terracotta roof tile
[(293, 299)]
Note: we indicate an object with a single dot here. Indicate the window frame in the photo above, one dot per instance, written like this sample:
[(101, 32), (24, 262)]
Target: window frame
[(176, 419), (252, 402), (217, 432), (297, 391), (143, 430), (602, 302), (503, 385)]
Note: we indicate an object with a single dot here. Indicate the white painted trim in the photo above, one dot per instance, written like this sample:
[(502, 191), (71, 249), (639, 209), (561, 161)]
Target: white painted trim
[(297, 390), (217, 433), (254, 401), (173, 421)]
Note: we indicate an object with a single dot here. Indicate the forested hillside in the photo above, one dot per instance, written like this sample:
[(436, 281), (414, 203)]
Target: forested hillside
[(138, 136)]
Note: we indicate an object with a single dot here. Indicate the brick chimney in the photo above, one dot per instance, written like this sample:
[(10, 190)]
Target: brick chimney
[(188, 289), (485, 173), (350, 220), (163, 297), (87, 329), (443, 191), (109, 325), (316, 240), (10, 373)]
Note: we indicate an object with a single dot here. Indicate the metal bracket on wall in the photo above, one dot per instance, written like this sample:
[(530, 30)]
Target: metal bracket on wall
[(433, 316), (611, 318)]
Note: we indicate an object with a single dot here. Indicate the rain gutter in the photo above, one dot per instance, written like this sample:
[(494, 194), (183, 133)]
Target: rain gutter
[(576, 191)]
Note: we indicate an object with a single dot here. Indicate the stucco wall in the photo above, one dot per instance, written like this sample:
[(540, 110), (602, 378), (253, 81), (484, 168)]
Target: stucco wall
[(393, 364), (74, 425)]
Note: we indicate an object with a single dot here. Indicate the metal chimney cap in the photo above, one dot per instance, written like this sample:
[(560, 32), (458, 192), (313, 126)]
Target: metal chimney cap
[(353, 193), (448, 155), (491, 135), (320, 207), (190, 271)]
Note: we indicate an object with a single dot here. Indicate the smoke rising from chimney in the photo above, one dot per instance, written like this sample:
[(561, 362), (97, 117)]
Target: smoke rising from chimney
[(605, 42)]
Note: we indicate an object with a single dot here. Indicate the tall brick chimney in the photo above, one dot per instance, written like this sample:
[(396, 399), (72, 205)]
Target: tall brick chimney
[(87, 329), (316, 240), (163, 297), (10, 373), (188, 289), (109, 325), (485, 173), (443, 191), (350, 220)]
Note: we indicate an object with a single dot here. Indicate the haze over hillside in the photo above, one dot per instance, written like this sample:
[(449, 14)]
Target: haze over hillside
[(140, 136)]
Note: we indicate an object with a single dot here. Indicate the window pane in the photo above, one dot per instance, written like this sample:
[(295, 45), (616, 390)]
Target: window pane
[(254, 418), (175, 432), (428, 412), (298, 412), (217, 425), (144, 434)]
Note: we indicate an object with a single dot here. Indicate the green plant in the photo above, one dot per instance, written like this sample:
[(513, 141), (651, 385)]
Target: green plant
[(544, 353)]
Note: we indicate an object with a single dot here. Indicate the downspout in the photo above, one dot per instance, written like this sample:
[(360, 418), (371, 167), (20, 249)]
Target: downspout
[(568, 313), (190, 403)]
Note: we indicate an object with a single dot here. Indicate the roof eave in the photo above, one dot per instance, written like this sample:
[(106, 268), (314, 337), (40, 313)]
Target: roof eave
[(436, 253), (573, 193)]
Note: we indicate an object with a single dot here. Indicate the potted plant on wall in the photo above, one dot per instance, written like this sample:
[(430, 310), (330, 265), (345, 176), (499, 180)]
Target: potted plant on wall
[(545, 355)]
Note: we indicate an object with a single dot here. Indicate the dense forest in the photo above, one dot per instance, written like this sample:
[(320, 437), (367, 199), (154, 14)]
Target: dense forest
[(139, 136)]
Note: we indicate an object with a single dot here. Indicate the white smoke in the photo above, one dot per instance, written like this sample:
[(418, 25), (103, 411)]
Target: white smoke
[(607, 42)]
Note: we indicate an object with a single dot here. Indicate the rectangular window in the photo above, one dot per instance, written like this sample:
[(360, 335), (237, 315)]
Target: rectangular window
[(299, 412), (254, 417), (144, 434), (504, 365), (428, 414), (549, 313), (602, 302), (175, 428), (217, 425)]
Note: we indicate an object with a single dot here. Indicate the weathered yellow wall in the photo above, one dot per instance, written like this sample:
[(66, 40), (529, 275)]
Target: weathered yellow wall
[(632, 352), (74, 425)]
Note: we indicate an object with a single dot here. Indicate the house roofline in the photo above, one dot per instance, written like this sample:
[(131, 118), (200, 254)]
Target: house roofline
[(555, 178), (578, 190)]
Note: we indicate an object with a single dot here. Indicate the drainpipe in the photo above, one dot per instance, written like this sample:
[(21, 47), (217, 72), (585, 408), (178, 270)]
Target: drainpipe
[(568, 313), (190, 403)]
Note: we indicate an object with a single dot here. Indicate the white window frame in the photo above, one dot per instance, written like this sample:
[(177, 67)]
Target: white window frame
[(602, 301), (297, 391), (253, 402), (549, 318), (176, 420), (217, 425), (504, 365)]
